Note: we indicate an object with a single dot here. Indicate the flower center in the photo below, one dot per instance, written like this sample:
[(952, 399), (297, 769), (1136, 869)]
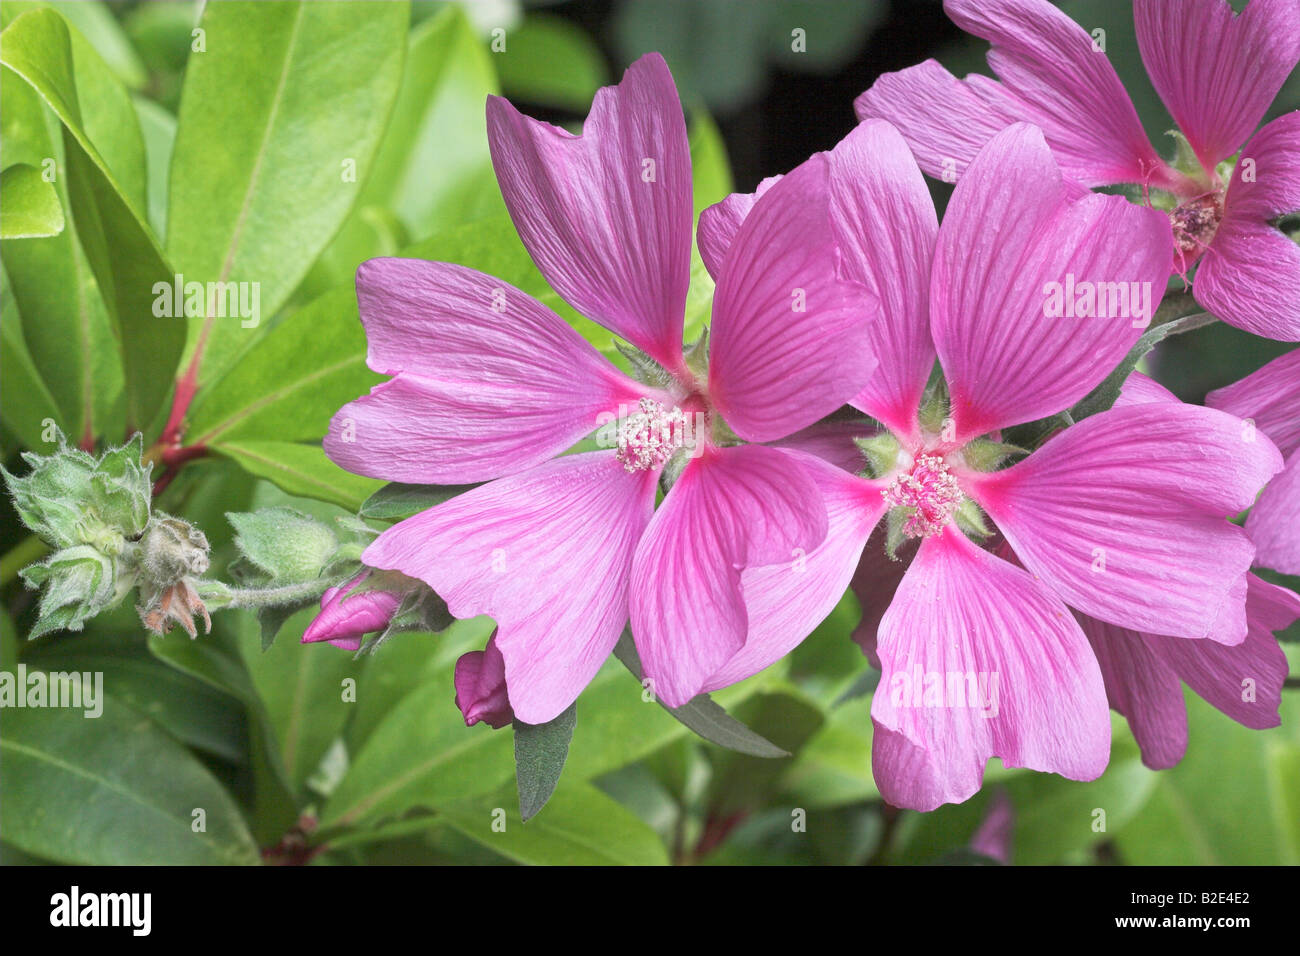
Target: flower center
[(928, 493), (1195, 222), (649, 438)]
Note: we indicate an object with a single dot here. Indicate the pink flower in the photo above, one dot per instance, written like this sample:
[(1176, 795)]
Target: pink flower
[(1270, 398), (345, 617), (1216, 72), (480, 681), (1122, 516), (996, 834), (490, 385)]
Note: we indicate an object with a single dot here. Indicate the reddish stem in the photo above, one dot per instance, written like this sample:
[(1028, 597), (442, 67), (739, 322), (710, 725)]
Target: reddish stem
[(173, 458)]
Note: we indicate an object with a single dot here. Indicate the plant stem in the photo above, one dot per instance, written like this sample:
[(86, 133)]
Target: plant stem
[(218, 595), (20, 555)]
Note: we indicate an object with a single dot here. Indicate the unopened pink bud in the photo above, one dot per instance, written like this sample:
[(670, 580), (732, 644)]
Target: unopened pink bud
[(481, 687), (344, 619)]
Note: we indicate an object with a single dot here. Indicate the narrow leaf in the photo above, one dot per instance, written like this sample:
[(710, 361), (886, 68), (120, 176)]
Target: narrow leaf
[(540, 752)]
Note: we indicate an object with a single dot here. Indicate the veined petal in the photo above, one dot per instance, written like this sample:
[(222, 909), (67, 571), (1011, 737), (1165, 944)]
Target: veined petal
[(785, 602), (790, 340), (1217, 71), (1139, 389), (607, 215), (887, 227), (1143, 687), (489, 381), (1245, 682), (731, 509), (1270, 397), (1050, 63), (875, 583), (1248, 273), (720, 222), (1036, 296), (1124, 516), (1248, 277), (945, 121), (545, 553), (980, 660), (1274, 522)]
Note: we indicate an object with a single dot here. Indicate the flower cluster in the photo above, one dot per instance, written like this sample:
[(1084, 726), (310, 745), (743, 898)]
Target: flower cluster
[(869, 406)]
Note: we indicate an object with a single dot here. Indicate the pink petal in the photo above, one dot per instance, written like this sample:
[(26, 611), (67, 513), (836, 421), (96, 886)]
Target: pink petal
[(731, 509), (1139, 389), (1010, 236), (547, 555), (996, 834), (720, 222), (961, 611), (1274, 522), (611, 233), (1143, 687), (1248, 274), (832, 441), (481, 691), (1123, 515), (488, 380), (1245, 682), (888, 227), (789, 342), (346, 617), (1248, 278), (945, 121), (1051, 77), (785, 602), (1216, 71), (1270, 397)]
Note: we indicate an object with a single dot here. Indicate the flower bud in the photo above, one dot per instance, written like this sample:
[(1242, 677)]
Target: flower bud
[(346, 617), (481, 687), (79, 582), (172, 555)]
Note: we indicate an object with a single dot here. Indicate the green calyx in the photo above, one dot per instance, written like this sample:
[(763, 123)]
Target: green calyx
[(983, 454), (881, 453)]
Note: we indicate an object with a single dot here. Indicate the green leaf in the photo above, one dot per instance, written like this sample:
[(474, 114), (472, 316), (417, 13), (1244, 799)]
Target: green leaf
[(114, 790), (420, 755), (119, 246), (293, 382), (94, 21), (29, 206), (433, 168), (1231, 801), (302, 688), (540, 752), (703, 715), (581, 827), (159, 129), (192, 711), (26, 406), (395, 500), (552, 62), (710, 169), (215, 661), (63, 321), (300, 470), (742, 782), (283, 104)]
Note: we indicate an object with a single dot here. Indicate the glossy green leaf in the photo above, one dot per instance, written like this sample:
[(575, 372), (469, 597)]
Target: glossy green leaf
[(284, 109), (551, 62), (26, 406), (581, 827), (94, 21), (192, 711), (395, 500), (120, 247), (540, 752), (29, 206), (300, 470), (293, 381), (113, 790), (704, 716), (65, 325), (303, 689), (159, 130)]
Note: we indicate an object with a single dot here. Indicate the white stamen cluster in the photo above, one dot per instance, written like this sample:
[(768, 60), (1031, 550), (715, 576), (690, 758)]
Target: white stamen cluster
[(649, 438)]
